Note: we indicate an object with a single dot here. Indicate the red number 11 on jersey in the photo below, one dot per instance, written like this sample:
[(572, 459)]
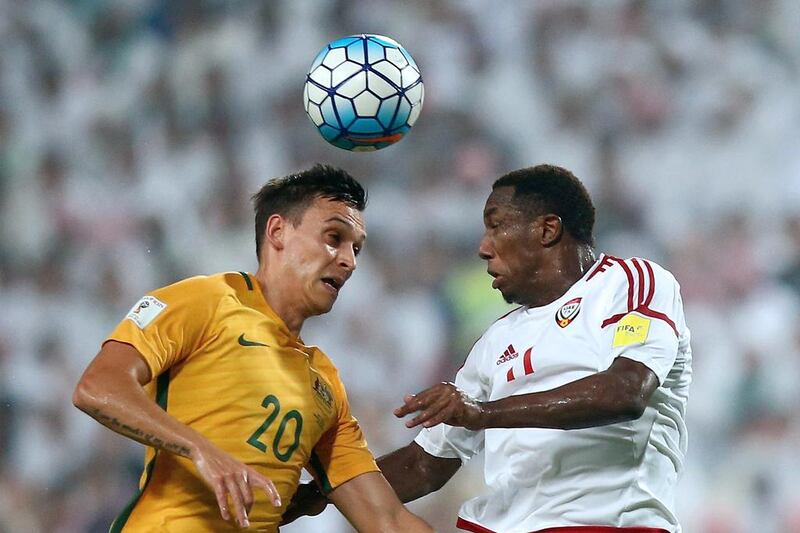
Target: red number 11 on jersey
[(526, 363)]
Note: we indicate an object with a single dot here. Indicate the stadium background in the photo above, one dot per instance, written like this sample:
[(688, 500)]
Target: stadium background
[(132, 133)]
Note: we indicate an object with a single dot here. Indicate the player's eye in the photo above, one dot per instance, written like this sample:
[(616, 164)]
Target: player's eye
[(334, 238), (356, 250)]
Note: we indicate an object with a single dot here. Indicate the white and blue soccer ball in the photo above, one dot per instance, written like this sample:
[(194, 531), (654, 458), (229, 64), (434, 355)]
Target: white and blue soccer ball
[(363, 92)]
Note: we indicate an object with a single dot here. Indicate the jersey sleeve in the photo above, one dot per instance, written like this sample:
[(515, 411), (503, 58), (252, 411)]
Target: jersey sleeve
[(457, 442), (646, 318), (168, 324), (342, 453)]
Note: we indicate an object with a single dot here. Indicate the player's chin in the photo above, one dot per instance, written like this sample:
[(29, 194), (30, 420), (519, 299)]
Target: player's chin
[(324, 301), (509, 296)]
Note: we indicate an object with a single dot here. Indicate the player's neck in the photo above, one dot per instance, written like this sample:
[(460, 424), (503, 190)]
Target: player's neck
[(563, 270), (281, 301)]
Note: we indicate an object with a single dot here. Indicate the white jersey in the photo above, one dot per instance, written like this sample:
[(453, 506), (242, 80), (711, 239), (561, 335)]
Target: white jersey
[(622, 474)]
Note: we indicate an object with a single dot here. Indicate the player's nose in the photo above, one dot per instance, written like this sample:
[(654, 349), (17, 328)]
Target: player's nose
[(485, 250), (347, 259)]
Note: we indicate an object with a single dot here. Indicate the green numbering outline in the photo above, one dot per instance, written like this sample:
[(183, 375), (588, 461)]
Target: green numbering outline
[(271, 401)]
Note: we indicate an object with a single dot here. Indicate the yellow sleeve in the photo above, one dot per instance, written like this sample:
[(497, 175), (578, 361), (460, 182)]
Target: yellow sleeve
[(170, 323), (342, 453)]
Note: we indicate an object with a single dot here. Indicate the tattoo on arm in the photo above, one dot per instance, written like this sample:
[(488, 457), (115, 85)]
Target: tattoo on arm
[(139, 435)]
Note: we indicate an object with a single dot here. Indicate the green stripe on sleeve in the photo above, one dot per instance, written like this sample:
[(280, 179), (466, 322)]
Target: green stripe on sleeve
[(316, 464), (162, 393), (162, 390)]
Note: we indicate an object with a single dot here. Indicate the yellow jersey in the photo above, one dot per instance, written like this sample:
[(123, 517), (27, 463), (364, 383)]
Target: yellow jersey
[(225, 364)]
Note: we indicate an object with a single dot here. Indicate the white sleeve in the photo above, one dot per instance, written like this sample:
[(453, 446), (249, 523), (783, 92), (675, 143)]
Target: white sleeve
[(456, 442), (647, 331)]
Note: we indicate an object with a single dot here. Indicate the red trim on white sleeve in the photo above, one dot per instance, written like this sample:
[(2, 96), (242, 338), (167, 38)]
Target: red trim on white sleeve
[(643, 302), (601, 267), (652, 278), (466, 525), (601, 529), (646, 311), (640, 272), (629, 275)]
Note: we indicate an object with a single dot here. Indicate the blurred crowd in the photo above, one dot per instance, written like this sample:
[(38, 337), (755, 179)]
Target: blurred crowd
[(132, 133)]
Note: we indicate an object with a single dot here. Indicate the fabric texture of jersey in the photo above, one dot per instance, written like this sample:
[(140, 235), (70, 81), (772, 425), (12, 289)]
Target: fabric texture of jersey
[(621, 475), (225, 364)]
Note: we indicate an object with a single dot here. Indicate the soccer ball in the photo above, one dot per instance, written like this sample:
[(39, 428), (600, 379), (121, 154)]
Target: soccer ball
[(363, 92)]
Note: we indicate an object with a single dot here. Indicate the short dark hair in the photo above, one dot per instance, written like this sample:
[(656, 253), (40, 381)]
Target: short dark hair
[(291, 195), (547, 189)]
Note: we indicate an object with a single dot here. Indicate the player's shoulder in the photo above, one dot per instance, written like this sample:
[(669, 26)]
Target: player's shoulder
[(321, 360), (206, 287), (625, 272), (502, 322), (325, 366)]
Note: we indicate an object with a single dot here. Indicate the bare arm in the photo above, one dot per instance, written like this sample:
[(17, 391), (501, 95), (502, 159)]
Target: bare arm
[(617, 394), (413, 473), (110, 391), (371, 506)]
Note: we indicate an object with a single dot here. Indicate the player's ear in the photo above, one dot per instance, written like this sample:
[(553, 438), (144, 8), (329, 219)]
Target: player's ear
[(551, 229), (275, 231)]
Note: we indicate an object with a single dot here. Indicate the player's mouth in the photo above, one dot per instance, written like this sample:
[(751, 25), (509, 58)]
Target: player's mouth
[(333, 284), (497, 277)]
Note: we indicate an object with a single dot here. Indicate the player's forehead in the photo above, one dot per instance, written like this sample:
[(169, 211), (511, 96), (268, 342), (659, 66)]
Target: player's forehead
[(500, 202), (322, 211)]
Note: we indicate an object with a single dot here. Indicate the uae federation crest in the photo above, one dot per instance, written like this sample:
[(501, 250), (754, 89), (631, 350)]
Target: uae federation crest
[(567, 313)]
